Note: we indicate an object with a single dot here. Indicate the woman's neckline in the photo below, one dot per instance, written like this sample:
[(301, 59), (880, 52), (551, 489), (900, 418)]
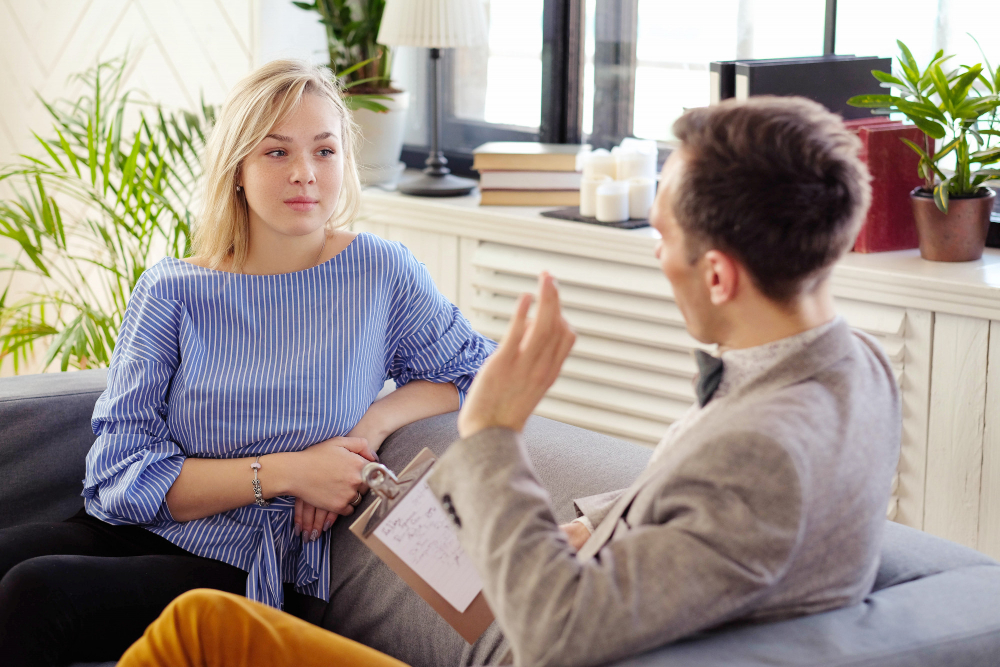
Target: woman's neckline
[(269, 275)]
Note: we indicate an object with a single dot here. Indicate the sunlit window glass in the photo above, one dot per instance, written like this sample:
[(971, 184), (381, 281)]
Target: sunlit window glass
[(677, 40), (502, 83), (871, 27)]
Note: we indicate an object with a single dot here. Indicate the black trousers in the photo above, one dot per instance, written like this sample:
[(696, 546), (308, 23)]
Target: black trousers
[(83, 590)]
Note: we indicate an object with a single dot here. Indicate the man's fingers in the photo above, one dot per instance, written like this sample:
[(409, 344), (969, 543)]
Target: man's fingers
[(543, 338), (566, 340), (518, 323)]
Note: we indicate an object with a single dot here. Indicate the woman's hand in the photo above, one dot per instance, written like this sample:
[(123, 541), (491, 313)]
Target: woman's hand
[(310, 521), (325, 479)]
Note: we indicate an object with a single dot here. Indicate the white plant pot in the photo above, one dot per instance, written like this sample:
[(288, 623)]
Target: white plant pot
[(382, 140)]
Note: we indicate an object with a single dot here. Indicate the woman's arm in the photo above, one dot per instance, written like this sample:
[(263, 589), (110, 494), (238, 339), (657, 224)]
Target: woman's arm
[(413, 401), (327, 475)]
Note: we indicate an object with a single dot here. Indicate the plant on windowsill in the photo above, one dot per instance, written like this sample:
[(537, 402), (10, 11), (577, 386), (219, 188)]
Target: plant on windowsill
[(952, 213), (364, 68), (98, 204)]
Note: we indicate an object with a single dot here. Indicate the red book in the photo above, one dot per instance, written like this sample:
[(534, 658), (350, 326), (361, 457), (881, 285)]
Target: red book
[(893, 166)]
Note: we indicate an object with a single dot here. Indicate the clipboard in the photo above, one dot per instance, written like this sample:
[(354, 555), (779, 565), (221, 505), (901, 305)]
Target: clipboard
[(391, 490)]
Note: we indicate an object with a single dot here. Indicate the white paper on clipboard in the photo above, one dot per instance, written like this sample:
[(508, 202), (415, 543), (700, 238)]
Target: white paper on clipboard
[(418, 531)]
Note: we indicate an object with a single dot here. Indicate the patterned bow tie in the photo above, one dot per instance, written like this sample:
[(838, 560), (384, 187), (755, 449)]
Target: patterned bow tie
[(709, 376)]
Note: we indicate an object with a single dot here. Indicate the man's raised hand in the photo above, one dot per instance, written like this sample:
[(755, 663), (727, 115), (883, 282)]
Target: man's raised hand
[(513, 380)]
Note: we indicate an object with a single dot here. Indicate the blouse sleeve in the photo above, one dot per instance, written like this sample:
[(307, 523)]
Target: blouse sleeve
[(430, 338), (133, 462)]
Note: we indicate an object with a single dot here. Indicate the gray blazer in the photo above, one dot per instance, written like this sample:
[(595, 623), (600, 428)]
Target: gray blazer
[(775, 511)]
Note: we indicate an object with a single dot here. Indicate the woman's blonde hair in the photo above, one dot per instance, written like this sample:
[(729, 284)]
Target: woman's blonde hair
[(259, 102)]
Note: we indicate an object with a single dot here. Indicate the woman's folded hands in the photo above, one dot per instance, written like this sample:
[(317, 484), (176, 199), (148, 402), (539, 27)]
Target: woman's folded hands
[(325, 479)]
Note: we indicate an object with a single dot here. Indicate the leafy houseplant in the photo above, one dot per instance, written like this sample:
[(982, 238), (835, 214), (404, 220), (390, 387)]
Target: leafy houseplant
[(363, 67), (947, 105), (88, 217)]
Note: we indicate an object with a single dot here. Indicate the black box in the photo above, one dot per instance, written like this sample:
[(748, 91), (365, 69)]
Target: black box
[(829, 80)]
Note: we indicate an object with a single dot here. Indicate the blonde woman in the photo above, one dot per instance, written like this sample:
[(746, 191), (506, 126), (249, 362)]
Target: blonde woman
[(240, 405)]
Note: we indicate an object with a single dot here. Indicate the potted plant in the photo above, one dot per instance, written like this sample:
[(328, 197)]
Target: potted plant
[(952, 211), (364, 67)]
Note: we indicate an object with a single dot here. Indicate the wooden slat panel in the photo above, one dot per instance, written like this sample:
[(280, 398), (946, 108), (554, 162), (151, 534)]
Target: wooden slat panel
[(989, 498), (618, 399), (955, 428), (610, 351), (884, 320), (616, 375), (915, 385), (569, 270), (635, 429), (596, 324), (585, 298)]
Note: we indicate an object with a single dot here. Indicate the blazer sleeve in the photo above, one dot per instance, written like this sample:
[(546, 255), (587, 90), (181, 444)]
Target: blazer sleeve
[(134, 462), (430, 339), (595, 508), (719, 541)]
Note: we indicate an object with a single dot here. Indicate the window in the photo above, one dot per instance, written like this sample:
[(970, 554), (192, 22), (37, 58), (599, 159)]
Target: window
[(676, 42), (924, 26), (600, 70)]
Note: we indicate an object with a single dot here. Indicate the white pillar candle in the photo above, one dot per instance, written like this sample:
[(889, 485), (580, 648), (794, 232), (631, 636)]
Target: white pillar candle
[(612, 202), (588, 194), (641, 192), (631, 165), (600, 163)]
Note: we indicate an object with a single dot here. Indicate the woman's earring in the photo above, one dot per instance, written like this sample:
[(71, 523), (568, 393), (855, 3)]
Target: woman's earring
[(239, 188)]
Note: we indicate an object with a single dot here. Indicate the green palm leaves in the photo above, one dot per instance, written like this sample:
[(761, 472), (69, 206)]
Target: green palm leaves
[(109, 192), (948, 106)]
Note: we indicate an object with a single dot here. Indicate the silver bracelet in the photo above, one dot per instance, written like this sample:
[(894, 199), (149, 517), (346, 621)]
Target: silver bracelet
[(258, 496)]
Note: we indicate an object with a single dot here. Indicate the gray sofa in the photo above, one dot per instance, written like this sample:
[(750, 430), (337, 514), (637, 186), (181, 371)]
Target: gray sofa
[(934, 603)]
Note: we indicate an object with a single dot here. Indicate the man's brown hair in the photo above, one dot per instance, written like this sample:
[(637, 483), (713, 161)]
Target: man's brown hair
[(774, 181)]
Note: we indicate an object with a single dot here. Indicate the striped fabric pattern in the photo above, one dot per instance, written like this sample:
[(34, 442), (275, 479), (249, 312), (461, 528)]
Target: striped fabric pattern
[(220, 365)]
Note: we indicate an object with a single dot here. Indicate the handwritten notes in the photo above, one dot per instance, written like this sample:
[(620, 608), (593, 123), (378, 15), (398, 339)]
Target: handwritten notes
[(418, 531)]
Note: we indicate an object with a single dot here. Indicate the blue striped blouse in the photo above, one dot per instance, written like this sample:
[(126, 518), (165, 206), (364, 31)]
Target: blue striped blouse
[(221, 365)]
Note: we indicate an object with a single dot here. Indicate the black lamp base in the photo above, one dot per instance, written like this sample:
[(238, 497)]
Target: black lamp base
[(437, 185)]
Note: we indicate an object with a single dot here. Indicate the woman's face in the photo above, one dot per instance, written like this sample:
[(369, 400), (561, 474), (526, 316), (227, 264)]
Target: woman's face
[(292, 178)]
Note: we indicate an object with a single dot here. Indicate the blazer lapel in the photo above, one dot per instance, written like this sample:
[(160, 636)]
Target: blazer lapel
[(826, 350)]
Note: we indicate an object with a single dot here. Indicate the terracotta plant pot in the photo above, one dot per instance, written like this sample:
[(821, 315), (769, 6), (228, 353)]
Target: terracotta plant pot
[(959, 235)]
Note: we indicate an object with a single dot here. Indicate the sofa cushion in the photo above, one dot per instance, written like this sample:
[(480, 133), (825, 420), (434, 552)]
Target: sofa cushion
[(43, 443), (909, 554)]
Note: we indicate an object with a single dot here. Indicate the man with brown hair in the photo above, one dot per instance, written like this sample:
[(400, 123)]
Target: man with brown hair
[(767, 499)]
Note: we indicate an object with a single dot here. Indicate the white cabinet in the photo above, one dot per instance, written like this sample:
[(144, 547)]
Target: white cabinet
[(630, 372)]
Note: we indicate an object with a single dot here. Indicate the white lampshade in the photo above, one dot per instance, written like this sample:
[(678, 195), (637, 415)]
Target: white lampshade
[(438, 24)]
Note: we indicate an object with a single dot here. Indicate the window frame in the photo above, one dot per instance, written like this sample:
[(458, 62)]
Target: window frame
[(562, 85)]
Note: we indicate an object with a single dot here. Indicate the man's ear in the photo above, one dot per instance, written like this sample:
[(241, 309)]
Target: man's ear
[(722, 277)]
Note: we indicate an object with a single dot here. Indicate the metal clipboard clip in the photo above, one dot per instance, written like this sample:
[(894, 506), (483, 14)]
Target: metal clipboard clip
[(389, 488)]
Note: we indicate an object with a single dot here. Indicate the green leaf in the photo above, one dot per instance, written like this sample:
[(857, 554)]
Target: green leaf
[(987, 156), (908, 63), (873, 101), (354, 68), (930, 127), (963, 84), (941, 196), (885, 77), (92, 151), (49, 150), (941, 87)]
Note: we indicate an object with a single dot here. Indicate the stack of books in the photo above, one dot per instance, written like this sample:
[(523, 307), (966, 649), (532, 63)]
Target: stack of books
[(523, 173)]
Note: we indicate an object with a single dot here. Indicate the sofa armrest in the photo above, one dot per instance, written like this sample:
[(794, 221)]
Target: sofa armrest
[(44, 439)]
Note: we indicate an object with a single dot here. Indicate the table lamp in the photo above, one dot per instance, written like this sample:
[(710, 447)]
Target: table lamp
[(434, 24)]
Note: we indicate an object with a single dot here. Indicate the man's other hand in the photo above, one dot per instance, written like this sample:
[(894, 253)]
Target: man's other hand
[(576, 533), (513, 380)]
